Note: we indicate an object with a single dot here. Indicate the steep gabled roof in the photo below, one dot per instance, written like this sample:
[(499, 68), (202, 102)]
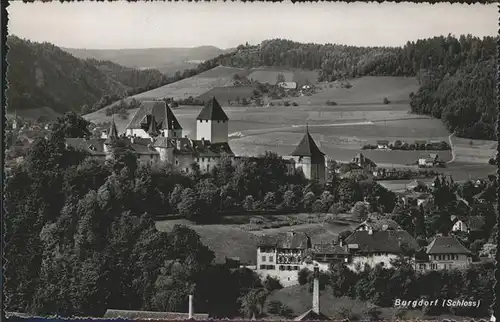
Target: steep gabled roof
[(212, 112), (288, 240), (162, 113), (385, 241), (113, 131), (446, 245), (307, 147)]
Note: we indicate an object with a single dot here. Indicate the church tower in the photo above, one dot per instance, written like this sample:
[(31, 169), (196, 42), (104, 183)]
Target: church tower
[(309, 157), (212, 123), (111, 138)]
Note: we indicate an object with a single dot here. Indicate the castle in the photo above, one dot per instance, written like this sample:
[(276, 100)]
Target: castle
[(155, 135)]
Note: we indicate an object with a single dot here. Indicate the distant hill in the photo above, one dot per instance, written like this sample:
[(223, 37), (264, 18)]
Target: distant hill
[(166, 60), (44, 78)]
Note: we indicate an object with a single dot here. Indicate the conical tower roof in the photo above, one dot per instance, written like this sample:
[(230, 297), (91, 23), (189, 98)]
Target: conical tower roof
[(307, 147), (212, 112), (112, 132), (153, 127)]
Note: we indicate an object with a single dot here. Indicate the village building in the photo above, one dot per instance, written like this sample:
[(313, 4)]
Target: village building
[(444, 252), (383, 144), (154, 116), (287, 85), (363, 162), (151, 315), (281, 256), (429, 161), (373, 247), (467, 224), (310, 159), (377, 225)]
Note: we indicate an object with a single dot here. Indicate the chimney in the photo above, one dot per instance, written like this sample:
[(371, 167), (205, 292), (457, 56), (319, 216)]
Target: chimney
[(190, 307), (315, 304)]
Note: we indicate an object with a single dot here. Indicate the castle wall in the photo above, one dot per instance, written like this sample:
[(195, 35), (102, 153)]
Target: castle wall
[(213, 131)]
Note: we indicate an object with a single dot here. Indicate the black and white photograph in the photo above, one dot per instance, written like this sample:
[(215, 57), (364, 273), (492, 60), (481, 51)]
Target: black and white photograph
[(251, 160)]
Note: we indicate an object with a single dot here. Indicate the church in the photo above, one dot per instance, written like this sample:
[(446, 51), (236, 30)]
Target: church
[(155, 135)]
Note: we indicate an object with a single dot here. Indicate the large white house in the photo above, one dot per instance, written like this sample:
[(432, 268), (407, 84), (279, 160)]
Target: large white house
[(444, 252)]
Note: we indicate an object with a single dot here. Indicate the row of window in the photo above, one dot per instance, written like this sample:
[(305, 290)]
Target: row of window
[(218, 121), (435, 266), (446, 257), (271, 258), (203, 159), (271, 267), (289, 268)]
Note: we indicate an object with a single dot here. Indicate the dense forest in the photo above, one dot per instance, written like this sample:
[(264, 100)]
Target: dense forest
[(70, 246)]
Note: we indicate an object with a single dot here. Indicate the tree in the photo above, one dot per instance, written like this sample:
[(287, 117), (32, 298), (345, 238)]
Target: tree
[(189, 206), (280, 78), (252, 303), (70, 125)]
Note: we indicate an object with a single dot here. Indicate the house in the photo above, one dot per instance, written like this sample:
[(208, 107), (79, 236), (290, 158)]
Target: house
[(377, 225), (444, 252), (288, 85), (383, 144), (429, 161), (155, 135), (315, 312), (150, 315), (282, 255), (310, 159), (324, 254), (468, 224), (372, 247), (363, 162)]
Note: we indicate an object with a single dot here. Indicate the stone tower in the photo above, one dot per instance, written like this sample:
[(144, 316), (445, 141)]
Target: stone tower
[(212, 123), (309, 157)]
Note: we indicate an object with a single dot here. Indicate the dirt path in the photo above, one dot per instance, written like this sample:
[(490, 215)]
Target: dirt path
[(451, 147)]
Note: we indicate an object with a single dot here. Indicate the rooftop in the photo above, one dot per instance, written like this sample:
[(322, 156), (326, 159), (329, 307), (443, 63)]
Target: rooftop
[(212, 111), (162, 113), (307, 147), (446, 245), (385, 241), (288, 240)]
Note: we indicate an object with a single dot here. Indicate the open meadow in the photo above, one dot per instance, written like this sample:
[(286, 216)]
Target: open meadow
[(340, 131), (237, 236)]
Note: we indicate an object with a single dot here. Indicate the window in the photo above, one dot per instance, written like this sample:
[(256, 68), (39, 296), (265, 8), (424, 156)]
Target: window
[(422, 266), (202, 159), (208, 167), (271, 259), (282, 268), (263, 258), (176, 162), (151, 156), (289, 268), (197, 159), (296, 268), (434, 266), (187, 170), (262, 266)]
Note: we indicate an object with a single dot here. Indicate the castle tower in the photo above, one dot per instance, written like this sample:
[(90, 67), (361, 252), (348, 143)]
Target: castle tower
[(212, 123), (111, 138), (309, 157)]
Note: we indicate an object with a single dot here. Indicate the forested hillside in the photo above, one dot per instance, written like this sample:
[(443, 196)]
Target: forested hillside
[(457, 74), (43, 75)]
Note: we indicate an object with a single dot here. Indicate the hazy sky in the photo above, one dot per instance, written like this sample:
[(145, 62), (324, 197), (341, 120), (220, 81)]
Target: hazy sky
[(228, 24)]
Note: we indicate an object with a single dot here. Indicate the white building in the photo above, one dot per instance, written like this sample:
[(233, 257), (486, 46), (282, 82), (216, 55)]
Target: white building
[(444, 252), (372, 247)]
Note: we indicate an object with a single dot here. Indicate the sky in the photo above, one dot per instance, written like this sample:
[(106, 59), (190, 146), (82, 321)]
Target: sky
[(117, 25)]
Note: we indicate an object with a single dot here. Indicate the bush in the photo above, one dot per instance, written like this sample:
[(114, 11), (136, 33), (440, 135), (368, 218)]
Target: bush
[(331, 103), (272, 284), (386, 101), (295, 104), (303, 276)]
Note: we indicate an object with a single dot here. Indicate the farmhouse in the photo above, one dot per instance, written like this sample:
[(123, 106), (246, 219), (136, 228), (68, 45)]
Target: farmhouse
[(383, 144), (372, 247), (429, 162), (310, 159), (444, 252), (288, 85), (282, 255), (155, 135)]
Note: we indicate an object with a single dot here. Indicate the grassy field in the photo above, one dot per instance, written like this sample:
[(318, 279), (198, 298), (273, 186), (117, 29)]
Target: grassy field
[(473, 151), (299, 299), (239, 235), (224, 94), (270, 75), (359, 118)]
